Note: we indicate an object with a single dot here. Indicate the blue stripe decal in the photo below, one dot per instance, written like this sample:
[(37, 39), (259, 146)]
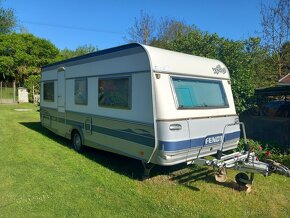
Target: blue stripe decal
[(232, 136), (194, 143), (147, 139), (75, 123), (144, 140), (197, 142), (126, 134), (173, 146)]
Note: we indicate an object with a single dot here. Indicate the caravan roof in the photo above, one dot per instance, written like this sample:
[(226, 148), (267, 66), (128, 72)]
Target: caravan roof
[(161, 60)]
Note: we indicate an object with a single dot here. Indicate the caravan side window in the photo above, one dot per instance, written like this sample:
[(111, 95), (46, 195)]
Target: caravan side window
[(199, 93), (48, 91), (115, 92), (81, 91)]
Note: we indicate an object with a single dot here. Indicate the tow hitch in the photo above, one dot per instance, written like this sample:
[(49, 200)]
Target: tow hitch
[(244, 161)]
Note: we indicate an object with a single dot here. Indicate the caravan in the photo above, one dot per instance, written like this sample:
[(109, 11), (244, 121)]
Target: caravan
[(158, 106), (151, 104)]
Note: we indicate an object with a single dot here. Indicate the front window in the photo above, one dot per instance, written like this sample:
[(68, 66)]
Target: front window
[(199, 93)]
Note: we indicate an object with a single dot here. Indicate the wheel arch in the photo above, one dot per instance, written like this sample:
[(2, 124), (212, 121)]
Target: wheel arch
[(79, 130)]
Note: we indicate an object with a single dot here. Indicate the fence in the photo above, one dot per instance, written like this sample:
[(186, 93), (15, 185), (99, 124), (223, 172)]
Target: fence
[(8, 93), (273, 130)]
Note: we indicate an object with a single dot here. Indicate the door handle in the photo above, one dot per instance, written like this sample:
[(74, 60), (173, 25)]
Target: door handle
[(175, 126)]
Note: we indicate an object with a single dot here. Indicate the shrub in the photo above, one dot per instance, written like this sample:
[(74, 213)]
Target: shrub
[(267, 151), (282, 158), (262, 152), (32, 80)]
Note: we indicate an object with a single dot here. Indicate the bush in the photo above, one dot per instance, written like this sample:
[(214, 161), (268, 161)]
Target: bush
[(282, 158), (33, 80), (262, 152), (267, 151)]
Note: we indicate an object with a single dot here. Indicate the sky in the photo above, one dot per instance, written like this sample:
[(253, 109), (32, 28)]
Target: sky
[(105, 23)]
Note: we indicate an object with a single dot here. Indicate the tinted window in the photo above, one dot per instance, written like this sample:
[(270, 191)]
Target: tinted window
[(81, 91), (197, 93), (48, 91), (115, 93)]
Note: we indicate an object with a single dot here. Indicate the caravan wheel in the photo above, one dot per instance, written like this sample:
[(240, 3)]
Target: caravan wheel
[(77, 142)]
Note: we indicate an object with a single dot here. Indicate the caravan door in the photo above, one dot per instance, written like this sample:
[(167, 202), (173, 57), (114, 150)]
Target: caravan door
[(61, 91)]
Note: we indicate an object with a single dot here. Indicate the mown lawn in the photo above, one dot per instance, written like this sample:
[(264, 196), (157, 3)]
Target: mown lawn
[(42, 176)]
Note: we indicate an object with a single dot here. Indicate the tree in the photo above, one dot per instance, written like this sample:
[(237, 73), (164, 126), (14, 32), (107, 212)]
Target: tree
[(81, 50), (85, 49), (170, 29), (32, 83), (275, 21), (24, 54), (143, 29), (148, 31), (250, 64), (7, 20), (286, 57), (240, 65)]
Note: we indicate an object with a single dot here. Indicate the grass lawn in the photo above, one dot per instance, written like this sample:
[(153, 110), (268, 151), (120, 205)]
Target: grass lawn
[(41, 175)]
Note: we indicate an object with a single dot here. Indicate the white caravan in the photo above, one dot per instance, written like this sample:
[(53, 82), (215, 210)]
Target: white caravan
[(159, 106)]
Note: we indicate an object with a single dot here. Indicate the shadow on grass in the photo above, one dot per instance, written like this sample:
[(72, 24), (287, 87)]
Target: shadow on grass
[(192, 174), (120, 164), (133, 168), (200, 173)]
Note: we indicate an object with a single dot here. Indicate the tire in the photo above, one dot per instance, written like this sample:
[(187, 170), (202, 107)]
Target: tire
[(77, 142), (240, 177)]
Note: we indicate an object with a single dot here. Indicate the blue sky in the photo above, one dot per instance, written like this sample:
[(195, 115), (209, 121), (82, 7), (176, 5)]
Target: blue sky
[(104, 23)]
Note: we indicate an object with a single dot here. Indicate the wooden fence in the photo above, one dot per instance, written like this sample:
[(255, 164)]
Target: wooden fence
[(8, 93)]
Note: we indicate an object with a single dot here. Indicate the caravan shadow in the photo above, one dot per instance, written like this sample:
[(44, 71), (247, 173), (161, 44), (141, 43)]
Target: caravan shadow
[(121, 164), (196, 173), (133, 168)]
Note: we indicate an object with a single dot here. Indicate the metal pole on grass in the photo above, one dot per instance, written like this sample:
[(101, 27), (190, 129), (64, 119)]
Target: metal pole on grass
[(33, 94), (14, 92), (1, 92)]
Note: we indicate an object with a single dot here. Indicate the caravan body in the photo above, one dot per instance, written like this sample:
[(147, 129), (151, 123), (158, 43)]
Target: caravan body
[(151, 104)]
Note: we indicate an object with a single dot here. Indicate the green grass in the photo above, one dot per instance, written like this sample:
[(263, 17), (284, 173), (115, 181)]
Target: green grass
[(41, 176)]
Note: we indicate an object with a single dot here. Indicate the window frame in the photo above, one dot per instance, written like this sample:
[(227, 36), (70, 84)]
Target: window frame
[(87, 94), (129, 77), (49, 82), (220, 82)]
